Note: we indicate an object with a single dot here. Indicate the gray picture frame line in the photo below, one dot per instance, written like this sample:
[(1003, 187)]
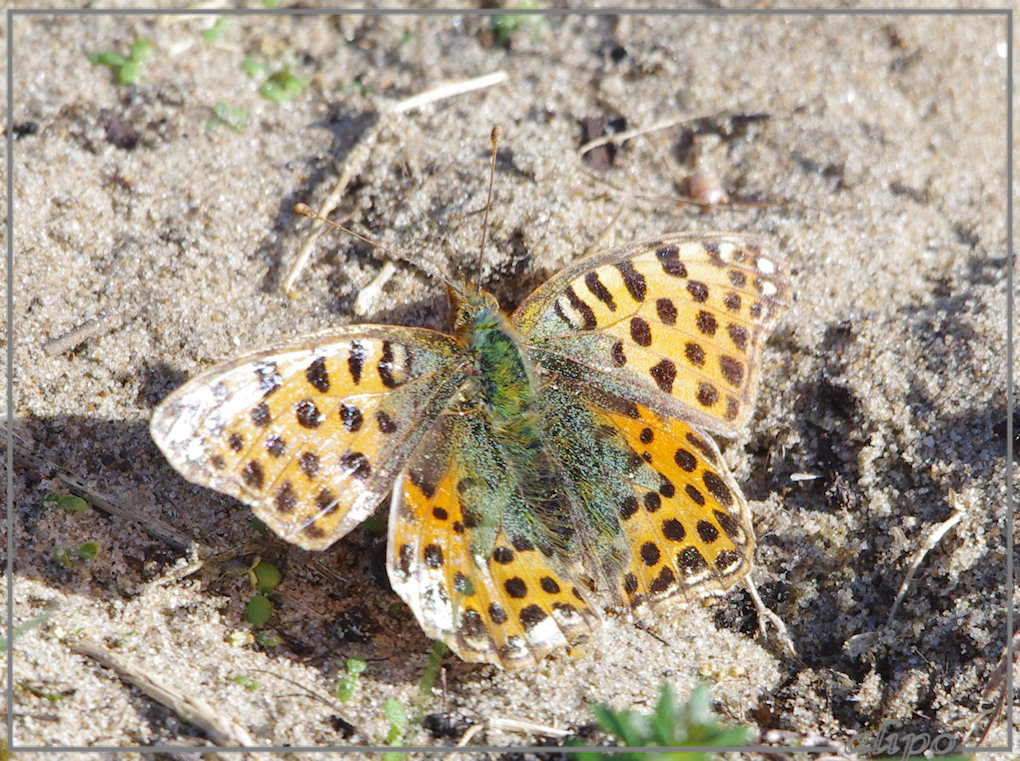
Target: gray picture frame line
[(1006, 13)]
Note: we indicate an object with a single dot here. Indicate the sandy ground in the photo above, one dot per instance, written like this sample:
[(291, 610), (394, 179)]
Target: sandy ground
[(878, 146)]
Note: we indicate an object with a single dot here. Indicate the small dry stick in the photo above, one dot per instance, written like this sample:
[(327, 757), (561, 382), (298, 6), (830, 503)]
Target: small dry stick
[(368, 295), (192, 710), (765, 614), (100, 324), (356, 158), (511, 725), (153, 526), (997, 681), (933, 539), (632, 133)]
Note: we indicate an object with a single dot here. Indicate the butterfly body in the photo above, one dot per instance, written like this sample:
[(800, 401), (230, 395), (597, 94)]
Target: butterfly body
[(545, 465)]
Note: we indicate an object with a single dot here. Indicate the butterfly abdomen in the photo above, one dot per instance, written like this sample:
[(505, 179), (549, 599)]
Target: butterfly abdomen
[(512, 407)]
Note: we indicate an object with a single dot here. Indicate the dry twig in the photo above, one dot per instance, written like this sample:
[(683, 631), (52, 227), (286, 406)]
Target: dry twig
[(192, 710), (356, 158)]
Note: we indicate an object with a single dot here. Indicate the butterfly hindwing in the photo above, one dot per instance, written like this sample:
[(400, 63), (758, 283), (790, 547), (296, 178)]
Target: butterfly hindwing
[(691, 535), (311, 433), (473, 575), (677, 323)]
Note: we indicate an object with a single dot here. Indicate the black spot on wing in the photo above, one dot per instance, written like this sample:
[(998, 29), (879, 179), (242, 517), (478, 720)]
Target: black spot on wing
[(599, 290), (633, 280)]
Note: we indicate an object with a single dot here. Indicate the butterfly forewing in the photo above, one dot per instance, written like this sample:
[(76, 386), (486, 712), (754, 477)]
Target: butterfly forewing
[(677, 323), (311, 433)]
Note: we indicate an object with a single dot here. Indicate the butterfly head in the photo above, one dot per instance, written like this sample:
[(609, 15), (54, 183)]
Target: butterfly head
[(472, 306)]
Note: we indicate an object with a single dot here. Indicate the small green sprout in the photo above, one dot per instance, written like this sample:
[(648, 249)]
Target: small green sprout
[(264, 577), (277, 86), (245, 681), (28, 625), (129, 69), (67, 502), (254, 68), (259, 610), (282, 84), (360, 88), (236, 119), (38, 692), (504, 25), (345, 687), (122, 639), (217, 30), (267, 577), (88, 550), (268, 639), (689, 725), (431, 670), (257, 526), (397, 717), (66, 557)]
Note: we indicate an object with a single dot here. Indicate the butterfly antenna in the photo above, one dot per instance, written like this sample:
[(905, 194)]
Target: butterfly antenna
[(495, 137), (306, 211)]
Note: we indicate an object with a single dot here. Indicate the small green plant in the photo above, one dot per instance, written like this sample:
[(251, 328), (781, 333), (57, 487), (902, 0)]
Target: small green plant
[(217, 30), (278, 85), (267, 577), (689, 725), (128, 70), (397, 717), (67, 502), (66, 557), (28, 625), (47, 695), (259, 610), (268, 639), (345, 687), (504, 25), (236, 119), (245, 681), (264, 578)]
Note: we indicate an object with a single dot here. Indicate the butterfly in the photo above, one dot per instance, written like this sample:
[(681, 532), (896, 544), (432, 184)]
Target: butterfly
[(544, 466)]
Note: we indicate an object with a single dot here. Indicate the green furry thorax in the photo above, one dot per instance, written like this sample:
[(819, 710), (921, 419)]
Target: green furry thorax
[(500, 370)]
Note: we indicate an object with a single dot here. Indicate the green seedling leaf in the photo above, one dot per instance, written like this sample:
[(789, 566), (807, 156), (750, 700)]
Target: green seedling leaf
[(504, 25), (689, 725), (345, 688), (216, 31), (267, 577), (38, 692), (397, 717), (129, 69), (254, 68), (236, 119), (245, 681), (28, 625), (109, 58), (140, 51), (88, 550), (67, 502), (268, 639), (260, 609), (63, 557)]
